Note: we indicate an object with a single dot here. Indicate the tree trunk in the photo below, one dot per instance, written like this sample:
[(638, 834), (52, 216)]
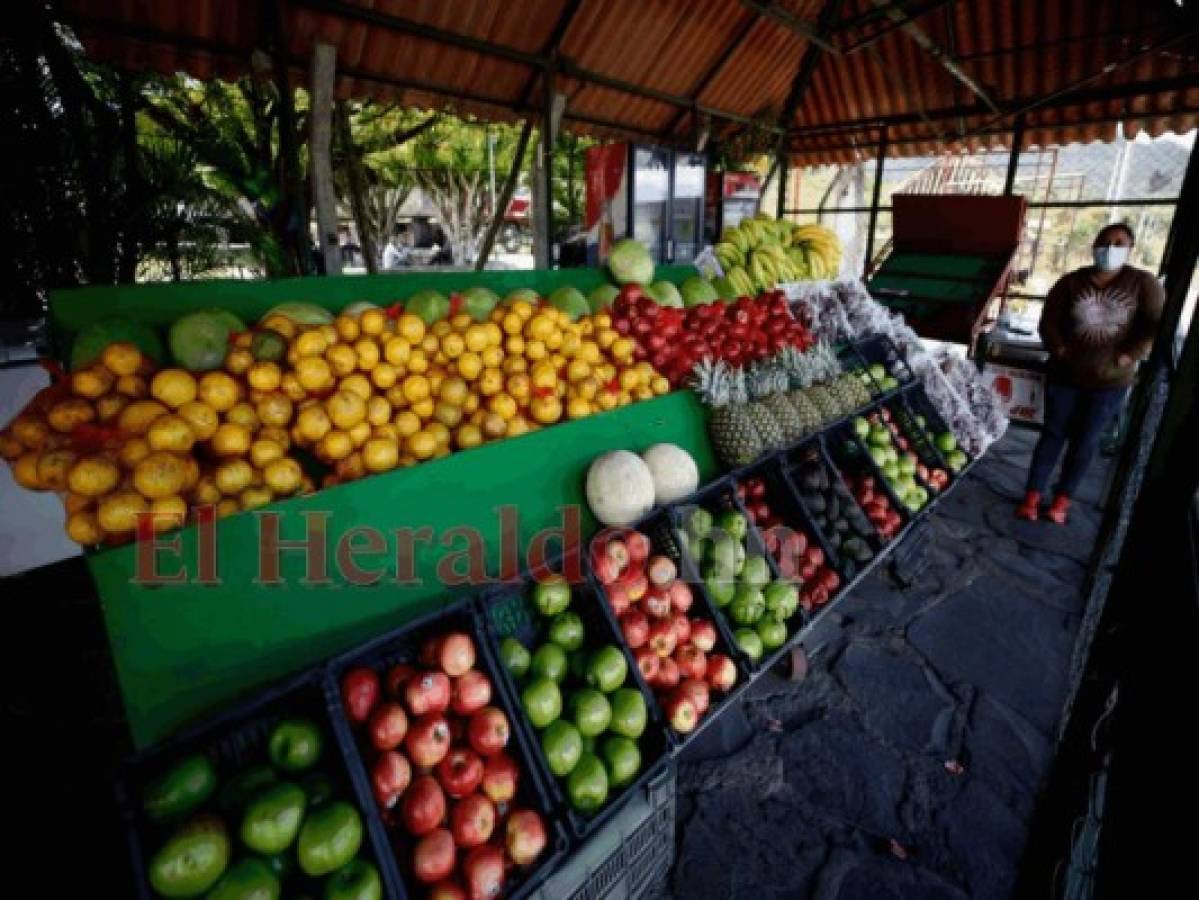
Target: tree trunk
[(501, 205), (134, 189), (320, 121), (356, 180), (290, 221)]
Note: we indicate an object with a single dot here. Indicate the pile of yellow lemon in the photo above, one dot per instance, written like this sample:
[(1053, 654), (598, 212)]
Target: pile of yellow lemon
[(365, 394)]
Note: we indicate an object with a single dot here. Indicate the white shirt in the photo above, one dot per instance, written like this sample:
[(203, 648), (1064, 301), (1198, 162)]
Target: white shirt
[(392, 257)]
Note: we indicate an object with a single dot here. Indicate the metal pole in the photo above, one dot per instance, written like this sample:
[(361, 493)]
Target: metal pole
[(878, 191), (1013, 162), (546, 255), (781, 163), (491, 165)]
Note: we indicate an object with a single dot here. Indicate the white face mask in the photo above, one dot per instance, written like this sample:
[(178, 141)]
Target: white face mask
[(1108, 259)]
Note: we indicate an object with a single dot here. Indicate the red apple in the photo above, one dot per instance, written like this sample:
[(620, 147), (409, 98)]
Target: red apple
[(657, 603), (662, 639), (433, 858), (423, 808), (429, 651), (721, 673), (668, 673), (471, 692), (428, 693), (483, 871), (696, 690), (691, 660), (397, 677), (662, 570), (446, 890), (388, 725), (500, 777), (616, 551), (638, 546), (359, 693), (428, 740), (456, 655), (703, 634), (525, 836), (636, 586), (488, 731), (648, 662), (635, 627), (680, 712), (682, 628), (618, 599), (390, 777), (606, 569), (472, 820), (460, 773), (681, 597)]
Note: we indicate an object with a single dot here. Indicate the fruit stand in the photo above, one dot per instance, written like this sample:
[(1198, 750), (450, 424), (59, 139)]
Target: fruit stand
[(424, 707)]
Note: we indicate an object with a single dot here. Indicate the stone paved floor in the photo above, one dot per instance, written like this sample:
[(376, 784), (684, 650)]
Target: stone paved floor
[(843, 787)]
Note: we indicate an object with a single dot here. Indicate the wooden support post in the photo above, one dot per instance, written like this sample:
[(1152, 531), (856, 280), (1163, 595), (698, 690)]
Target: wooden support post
[(878, 191), (320, 133)]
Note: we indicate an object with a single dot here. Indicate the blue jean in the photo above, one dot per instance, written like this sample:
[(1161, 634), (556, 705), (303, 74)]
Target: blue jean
[(1076, 416)]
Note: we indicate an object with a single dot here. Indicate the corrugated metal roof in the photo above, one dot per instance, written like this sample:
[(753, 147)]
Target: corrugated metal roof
[(723, 58)]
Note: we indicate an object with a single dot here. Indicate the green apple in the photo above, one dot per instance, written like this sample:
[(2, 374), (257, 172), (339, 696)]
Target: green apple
[(720, 588), (542, 701), (628, 713), (890, 471), (587, 784), (879, 455), (732, 522), (880, 436), (622, 758), (946, 442), (551, 596), (549, 662), (698, 522), (245, 879), (515, 657), (562, 745), (780, 595), (890, 383), (861, 427), (878, 372), (956, 460), (607, 669), (566, 630), (356, 880), (591, 712), (748, 605), (750, 643), (722, 556), (907, 465), (772, 632), (756, 571)]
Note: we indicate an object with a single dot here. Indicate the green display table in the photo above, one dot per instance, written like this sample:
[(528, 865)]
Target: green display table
[(183, 648)]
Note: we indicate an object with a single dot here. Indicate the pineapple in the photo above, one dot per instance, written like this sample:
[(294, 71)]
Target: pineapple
[(780, 405), (798, 369), (761, 385), (734, 437), (827, 405)]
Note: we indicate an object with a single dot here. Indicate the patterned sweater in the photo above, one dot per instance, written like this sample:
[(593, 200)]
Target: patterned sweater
[(1085, 327)]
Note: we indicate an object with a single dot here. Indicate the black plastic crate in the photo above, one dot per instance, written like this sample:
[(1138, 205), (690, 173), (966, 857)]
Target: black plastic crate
[(508, 612), (715, 498), (921, 405), (878, 349), (402, 646), (660, 528), (790, 467), (232, 741), (851, 457)]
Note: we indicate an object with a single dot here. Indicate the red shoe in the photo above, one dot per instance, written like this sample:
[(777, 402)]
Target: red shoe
[(1030, 508), (1059, 510)]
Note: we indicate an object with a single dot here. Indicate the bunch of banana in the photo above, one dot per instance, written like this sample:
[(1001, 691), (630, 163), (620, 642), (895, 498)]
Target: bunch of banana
[(741, 281), (760, 252), (729, 255), (819, 247)]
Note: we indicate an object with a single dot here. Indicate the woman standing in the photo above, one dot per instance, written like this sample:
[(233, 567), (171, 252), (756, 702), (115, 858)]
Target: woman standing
[(1098, 321)]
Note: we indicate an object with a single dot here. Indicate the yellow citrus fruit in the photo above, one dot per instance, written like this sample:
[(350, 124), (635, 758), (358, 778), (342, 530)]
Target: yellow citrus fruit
[(524, 309), (476, 338), (243, 414), (342, 360), (372, 321), (518, 426), (407, 423), (360, 433), (544, 375), (440, 433), (67, 415), (134, 386), (346, 409), (659, 385), (220, 390), (378, 410), (74, 503), (512, 323), (283, 476), (310, 343), (238, 361), (453, 345), (206, 492), (263, 452), (395, 396), (577, 370), (384, 375), (357, 384), (607, 400), (386, 431), (416, 388), (554, 342), (30, 432), (313, 373), (502, 405), (514, 346), (92, 383), (347, 327), (495, 426), (490, 382), (424, 408), (590, 353), (447, 414), (121, 358), (545, 410), (367, 352), (171, 432), (519, 386), (578, 408), (441, 328), (275, 433), (93, 476), (468, 436), (379, 455), (410, 328), (10, 447), (642, 392), (421, 445), (397, 350), (418, 363), (255, 497), (109, 406), (24, 471), (133, 451), (83, 527), (622, 349), (313, 423), (470, 365), (167, 513), (536, 350), (351, 468), (453, 390), (470, 404), (495, 336), (191, 472), (281, 325), (233, 476), (629, 379), (461, 322), (174, 387), (292, 389), (227, 507), (118, 513), (645, 372), (571, 343), (540, 327), (53, 467), (137, 416), (264, 376), (201, 417), (231, 439), (334, 446), (431, 344), (274, 409), (493, 358), (160, 474)]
